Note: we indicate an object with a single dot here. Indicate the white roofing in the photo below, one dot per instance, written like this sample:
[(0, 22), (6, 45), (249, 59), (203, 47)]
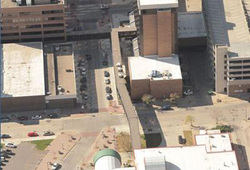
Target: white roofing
[(191, 24), (239, 50), (215, 142), (157, 4), (22, 70), (141, 67), (226, 21), (188, 158)]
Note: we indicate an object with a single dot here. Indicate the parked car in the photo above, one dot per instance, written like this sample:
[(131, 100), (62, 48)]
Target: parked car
[(56, 166), (119, 69), (181, 140), (210, 92), (52, 116), (83, 87), (105, 56), (85, 97), (104, 62), (5, 119), (106, 74), (88, 56), (120, 75), (10, 145), (2, 159), (5, 155), (48, 133), (36, 117), (5, 136), (8, 151), (104, 6), (118, 65), (83, 80), (109, 97), (107, 81), (108, 90), (188, 92), (166, 107), (32, 134), (22, 118)]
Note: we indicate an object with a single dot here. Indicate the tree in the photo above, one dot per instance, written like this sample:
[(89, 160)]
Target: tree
[(190, 119), (224, 128), (147, 99)]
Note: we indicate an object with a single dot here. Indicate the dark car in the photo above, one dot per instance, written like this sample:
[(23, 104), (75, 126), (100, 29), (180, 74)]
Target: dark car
[(23, 118), (5, 136), (5, 119), (109, 97), (52, 116), (108, 90), (181, 140), (88, 56), (48, 133), (8, 151), (83, 87), (83, 80), (166, 107), (104, 62), (106, 74)]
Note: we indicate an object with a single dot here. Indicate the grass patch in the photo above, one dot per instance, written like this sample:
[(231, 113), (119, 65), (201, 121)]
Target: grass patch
[(42, 144), (124, 142), (188, 135), (153, 140)]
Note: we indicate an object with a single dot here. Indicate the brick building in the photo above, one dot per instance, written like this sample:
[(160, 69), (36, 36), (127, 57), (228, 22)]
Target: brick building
[(26, 21)]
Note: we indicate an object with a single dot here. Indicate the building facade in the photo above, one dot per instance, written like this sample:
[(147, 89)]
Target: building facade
[(228, 46), (33, 23)]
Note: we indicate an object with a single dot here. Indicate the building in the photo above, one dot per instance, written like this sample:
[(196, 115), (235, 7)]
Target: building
[(35, 80), (23, 84), (191, 29), (26, 21), (158, 76), (156, 23), (212, 151), (228, 45)]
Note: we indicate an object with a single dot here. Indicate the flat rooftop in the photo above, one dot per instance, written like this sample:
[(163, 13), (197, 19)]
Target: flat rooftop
[(191, 24), (228, 25), (186, 158), (157, 4), (10, 3), (141, 67), (23, 70), (215, 142)]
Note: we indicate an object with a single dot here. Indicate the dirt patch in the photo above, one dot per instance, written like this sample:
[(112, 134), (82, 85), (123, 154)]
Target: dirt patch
[(188, 135)]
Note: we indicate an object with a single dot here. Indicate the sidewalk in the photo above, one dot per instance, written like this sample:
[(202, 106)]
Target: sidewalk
[(64, 144)]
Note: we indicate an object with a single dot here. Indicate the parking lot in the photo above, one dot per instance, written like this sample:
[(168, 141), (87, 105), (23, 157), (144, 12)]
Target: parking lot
[(93, 58), (26, 157)]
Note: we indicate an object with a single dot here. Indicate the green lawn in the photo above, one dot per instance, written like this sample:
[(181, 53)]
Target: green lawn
[(153, 140), (42, 144)]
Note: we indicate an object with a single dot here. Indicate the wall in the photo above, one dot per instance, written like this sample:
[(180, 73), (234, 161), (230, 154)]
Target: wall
[(163, 88), (13, 104), (157, 88), (139, 88)]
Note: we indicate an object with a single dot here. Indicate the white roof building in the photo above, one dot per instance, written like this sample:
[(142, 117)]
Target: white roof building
[(200, 157), (141, 67), (157, 4), (22, 70)]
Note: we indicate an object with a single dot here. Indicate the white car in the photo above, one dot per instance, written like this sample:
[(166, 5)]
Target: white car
[(104, 6), (119, 69), (10, 145), (107, 81), (37, 117), (83, 72), (188, 92), (55, 166), (118, 64), (120, 75)]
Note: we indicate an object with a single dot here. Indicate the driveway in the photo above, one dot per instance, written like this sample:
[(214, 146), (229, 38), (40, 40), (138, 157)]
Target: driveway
[(27, 157)]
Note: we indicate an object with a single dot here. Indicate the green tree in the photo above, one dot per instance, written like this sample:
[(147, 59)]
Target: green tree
[(190, 119), (147, 99), (224, 128)]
